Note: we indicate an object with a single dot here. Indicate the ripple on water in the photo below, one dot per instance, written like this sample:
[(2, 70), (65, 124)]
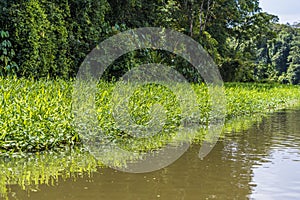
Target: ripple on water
[(278, 175)]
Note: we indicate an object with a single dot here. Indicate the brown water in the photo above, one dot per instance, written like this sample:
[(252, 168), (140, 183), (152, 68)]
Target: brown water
[(260, 163)]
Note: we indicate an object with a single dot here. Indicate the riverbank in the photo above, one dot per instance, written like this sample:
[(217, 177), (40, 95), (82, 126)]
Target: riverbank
[(37, 115)]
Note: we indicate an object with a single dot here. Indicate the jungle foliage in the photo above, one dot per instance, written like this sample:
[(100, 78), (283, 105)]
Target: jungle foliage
[(42, 38)]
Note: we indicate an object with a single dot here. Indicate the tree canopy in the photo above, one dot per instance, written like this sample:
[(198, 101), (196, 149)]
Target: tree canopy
[(40, 38)]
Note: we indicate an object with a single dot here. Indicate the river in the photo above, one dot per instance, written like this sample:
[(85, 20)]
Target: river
[(262, 162)]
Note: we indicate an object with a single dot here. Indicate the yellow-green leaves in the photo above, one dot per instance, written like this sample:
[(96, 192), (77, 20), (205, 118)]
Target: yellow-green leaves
[(37, 115)]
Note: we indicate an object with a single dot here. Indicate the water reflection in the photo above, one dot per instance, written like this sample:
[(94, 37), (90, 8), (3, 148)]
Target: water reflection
[(260, 163), (278, 177)]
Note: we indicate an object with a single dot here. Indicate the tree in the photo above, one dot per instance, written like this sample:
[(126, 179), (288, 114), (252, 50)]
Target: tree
[(293, 72), (52, 38), (278, 57)]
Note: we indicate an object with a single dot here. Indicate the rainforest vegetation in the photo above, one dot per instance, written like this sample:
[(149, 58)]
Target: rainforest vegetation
[(43, 38), (43, 43)]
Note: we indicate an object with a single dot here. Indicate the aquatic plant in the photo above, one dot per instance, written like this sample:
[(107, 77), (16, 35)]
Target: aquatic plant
[(37, 115), (37, 125)]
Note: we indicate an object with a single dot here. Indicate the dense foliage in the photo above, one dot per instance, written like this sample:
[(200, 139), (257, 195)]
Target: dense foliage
[(36, 115), (279, 58), (51, 38), (43, 43)]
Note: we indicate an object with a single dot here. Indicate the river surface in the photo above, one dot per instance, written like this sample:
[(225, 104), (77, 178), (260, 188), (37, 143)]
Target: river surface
[(262, 162)]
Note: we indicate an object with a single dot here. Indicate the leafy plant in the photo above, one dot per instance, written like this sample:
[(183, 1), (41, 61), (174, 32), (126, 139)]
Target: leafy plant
[(36, 121), (36, 115), (7, 64)]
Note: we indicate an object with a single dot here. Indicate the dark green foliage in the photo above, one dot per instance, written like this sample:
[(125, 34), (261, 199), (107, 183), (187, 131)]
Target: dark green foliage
[(279, 57), (7, 54), (293, 72), (38, 37), (86, 28), (51, 38)]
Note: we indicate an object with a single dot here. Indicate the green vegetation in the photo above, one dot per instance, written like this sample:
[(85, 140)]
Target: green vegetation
[(37, 115), (279, 57), (41, 38), (43, 43)]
